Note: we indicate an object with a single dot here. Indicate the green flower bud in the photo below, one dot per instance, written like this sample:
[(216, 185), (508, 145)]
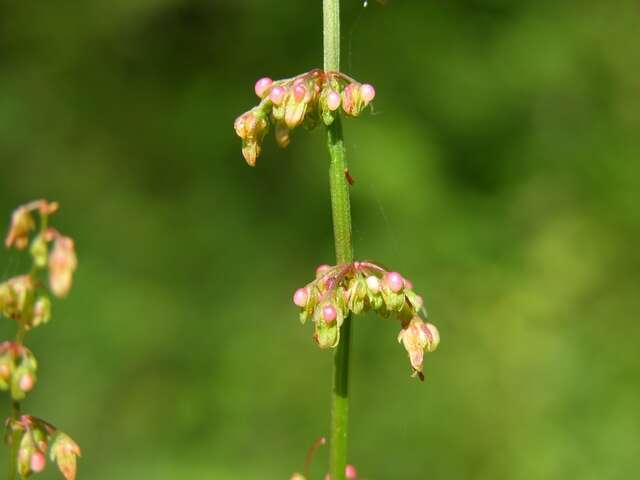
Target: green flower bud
[(6, 370), (41, 311), (39, 251), (327, 335), (64, 452), (25, 451)]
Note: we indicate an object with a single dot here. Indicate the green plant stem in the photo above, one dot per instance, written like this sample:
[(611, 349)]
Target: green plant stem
[(15, 443), (341, 212), (15, 406)]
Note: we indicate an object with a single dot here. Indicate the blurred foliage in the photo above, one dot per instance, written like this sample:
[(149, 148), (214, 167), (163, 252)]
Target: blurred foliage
[(499, 171)]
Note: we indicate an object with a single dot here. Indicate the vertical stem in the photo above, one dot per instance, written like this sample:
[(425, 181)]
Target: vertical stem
[(15, 441), (15, 412), (341, 212)]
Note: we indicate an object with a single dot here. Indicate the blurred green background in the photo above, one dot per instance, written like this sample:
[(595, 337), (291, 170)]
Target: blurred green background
[(499, 171)]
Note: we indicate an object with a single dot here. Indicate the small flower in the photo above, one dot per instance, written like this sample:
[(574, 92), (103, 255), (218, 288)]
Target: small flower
[(367, 92), (22, 223), (394, 281), (26, 382), (277, 95), (38, 461), (333, 100), (62, 264), (322, 269), (301, 297), (262, 86), (373, 283), (64, 452), (15, 294), (418, 337), (329, 313), (41, 311), (350, 472)]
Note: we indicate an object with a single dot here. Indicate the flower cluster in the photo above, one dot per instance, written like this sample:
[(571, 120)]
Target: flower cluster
[(25, 299), (17, 369), (305, 100), (37, 437), (357, 287)]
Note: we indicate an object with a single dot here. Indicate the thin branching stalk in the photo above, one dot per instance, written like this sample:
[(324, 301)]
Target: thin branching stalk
[(341, 212)]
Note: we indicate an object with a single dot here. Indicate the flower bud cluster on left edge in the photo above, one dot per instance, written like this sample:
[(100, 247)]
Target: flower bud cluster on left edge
[(26, 300), (357, 287), (307, 99)]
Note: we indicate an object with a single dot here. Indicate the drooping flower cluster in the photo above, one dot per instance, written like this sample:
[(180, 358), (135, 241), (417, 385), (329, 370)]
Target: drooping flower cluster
[(17, 369), (25, 299), (357, 287), (307, 99), (36, 439)]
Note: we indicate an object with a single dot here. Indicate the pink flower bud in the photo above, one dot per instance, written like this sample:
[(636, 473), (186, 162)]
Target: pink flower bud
[(301, 297), (367, 92), (408, 284), (333, 100), (277, 95), (350, 472), (373, 283), (26, 382), (299, 91), (38, 461), (262, 85), (329, 313), (322, 269), (394, 281)]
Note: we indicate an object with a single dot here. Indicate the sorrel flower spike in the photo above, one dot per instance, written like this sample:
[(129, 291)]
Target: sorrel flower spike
[(357, 287), (301, 100), (37, 437)]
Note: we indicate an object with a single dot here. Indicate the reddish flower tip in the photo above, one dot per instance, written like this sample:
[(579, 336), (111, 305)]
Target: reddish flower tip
[(322, 269), (262, 85), (299, 92), (277, 95), (37, 461), (394, 281), (329, 313), (26, 382), (301, 297), (350, 472), (333, 100), (367, 92)]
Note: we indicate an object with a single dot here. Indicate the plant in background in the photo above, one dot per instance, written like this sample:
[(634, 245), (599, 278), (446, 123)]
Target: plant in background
[(350, 287), (25, 300)]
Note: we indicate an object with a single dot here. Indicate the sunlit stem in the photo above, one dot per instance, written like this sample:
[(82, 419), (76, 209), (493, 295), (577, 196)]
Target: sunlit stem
[(341, 212)]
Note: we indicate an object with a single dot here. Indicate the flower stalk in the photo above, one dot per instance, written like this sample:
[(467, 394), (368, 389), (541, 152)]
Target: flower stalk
[(341, 213)]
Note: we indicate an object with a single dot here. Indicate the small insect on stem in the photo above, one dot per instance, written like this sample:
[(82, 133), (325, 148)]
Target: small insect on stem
[(348, 176)]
